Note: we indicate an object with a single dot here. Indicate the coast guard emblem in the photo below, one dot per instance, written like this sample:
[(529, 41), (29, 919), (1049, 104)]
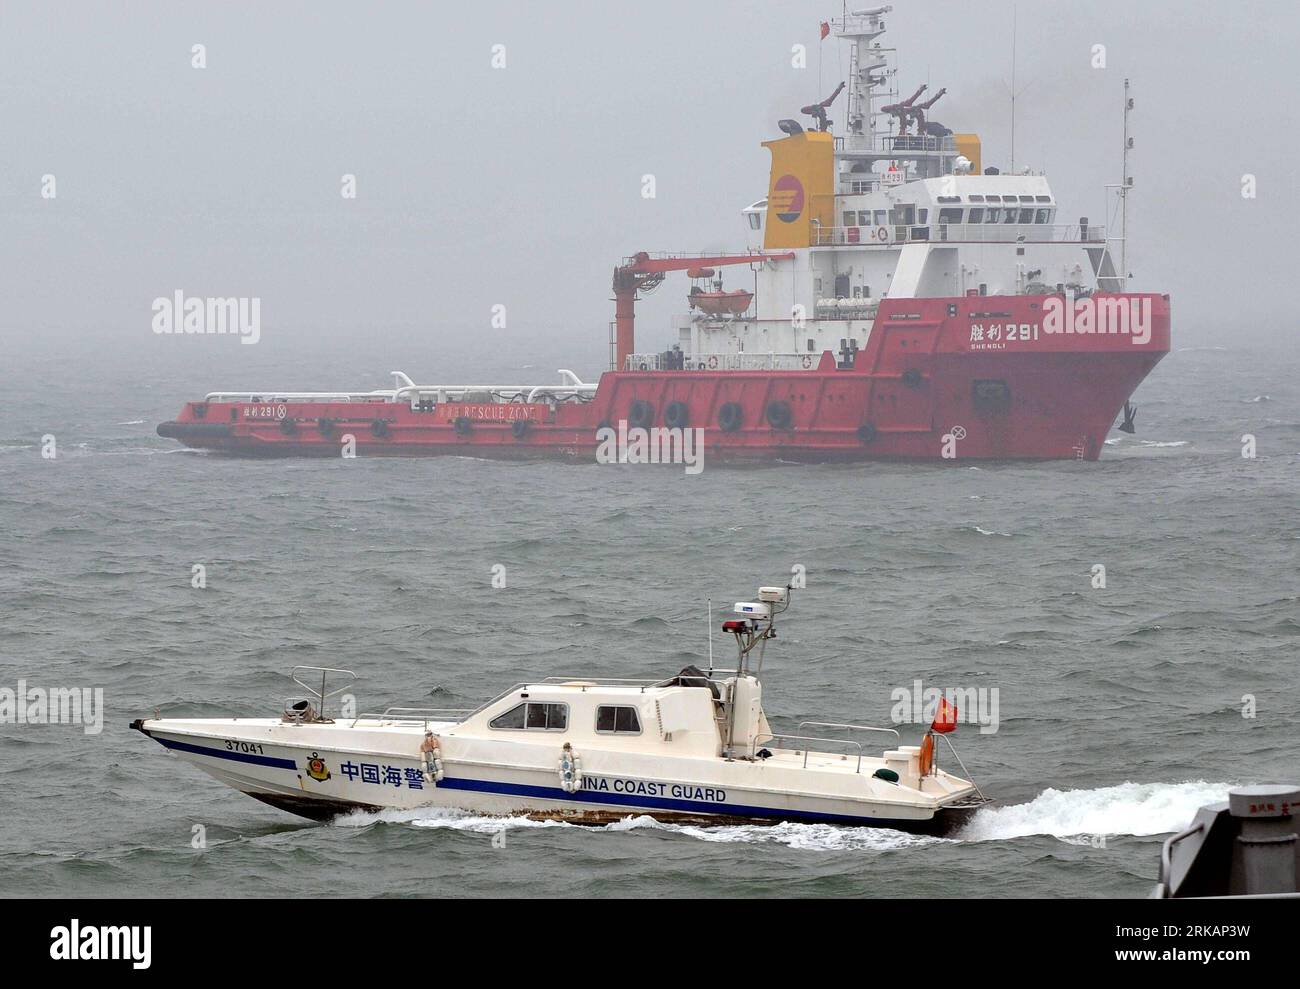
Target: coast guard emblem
[(316, 768)]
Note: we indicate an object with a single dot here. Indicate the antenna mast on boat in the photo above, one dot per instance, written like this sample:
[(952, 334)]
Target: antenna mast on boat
[(1126, 184), (1013, 89), (710, 636)]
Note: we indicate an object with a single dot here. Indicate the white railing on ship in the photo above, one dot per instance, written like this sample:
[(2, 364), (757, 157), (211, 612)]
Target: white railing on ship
[(948, 233), (724, 362), (570, 385)]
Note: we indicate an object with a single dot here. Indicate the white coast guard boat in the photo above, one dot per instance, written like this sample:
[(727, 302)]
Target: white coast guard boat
[(695, 747)]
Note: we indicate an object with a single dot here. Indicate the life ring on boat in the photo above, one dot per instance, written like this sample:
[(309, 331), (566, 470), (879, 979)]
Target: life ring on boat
[(912, 378), (730, 416), (713, 362), (379, 428), (519, 428), (807, 361), (882, 234), (779, 414), (927, 754), (288, 426), (867, 433), (677, 415), (641, 414), (462, 425), (570, 769), (326, 426), (431, 757)]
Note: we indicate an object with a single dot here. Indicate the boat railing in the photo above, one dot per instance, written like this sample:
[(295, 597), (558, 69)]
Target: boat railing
[(774, 736), (771, 361), (595, 681), (321, 694), (404, 388), (965, 771), (849, 728), (415, 715), (948, 233)]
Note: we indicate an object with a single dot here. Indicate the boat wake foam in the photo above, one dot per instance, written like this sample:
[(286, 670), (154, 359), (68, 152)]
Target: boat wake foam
[(1126, 809), (808, 837), (804, 837)]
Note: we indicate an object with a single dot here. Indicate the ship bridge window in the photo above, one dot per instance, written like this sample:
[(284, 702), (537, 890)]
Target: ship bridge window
[(976, 199), (1026, 216), (951, 215), (1043, 199), (1041, 216), (992, 215), (1010, 215), (851, 219), (617, 720), (976, 214), (534, 716), (1026, 199), (755, 221), (864, 218), (950, 199), (994, 199), (881, 216)]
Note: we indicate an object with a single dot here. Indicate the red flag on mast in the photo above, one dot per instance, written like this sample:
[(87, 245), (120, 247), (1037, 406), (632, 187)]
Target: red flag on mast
[(826, 29), (945, 719)]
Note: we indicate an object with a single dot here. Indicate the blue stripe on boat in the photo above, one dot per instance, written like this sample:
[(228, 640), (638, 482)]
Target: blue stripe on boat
[(257, 760), (657, 803)]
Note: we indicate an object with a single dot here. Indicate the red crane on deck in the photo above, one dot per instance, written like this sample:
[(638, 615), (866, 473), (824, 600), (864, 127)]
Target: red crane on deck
[(642, 273)]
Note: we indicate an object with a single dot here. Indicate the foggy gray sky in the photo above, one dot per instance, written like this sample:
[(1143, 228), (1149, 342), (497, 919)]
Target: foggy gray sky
[(522, 186)]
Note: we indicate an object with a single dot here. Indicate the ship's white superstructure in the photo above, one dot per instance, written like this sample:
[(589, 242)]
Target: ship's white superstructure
[(910, 211)]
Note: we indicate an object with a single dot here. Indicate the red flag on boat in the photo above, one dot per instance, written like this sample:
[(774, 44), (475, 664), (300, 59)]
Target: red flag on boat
[(945, 719), (826, 29)]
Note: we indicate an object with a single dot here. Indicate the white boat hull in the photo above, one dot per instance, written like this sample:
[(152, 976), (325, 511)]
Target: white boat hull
[(319, 780)]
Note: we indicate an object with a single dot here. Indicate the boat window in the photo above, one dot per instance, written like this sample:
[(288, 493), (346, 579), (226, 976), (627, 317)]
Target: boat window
[(880, 217), (755, 221), (864, 218), (993, 199), (612, 720), (850, 219), (1042, 216), (993, 215), (1043, 199), (976, 199), (1026, 216), (976, 214), (534, 716), (950, 215), (903, 216), (1026, 199), (950, 199), (923, 215), (1010, 215)]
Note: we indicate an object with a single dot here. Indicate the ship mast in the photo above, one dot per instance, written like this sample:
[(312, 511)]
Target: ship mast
[(1125, 183), (862, 28), (1124, 188)]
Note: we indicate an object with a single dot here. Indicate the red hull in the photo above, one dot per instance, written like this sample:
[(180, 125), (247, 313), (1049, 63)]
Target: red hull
[(1045, 392)]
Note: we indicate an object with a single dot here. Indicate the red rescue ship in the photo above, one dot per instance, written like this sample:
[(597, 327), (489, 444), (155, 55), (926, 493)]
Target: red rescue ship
[(906, 302)]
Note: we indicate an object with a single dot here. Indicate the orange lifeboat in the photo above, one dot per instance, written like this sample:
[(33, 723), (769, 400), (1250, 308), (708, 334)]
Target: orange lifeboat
[(720, 303)]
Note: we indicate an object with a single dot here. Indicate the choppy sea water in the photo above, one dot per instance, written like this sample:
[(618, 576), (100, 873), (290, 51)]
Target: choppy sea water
[(1120, 709)]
